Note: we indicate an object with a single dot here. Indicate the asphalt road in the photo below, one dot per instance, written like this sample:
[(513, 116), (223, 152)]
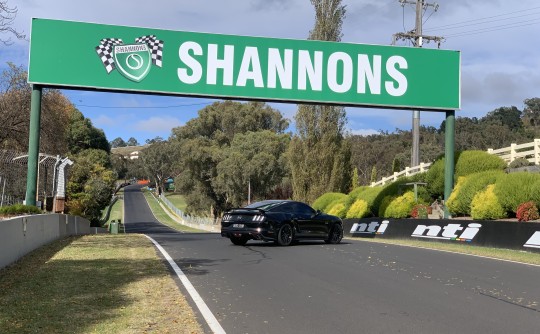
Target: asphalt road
[(353, 287)]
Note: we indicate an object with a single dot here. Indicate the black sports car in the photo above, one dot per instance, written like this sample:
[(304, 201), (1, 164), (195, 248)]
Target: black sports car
[(281, 221)]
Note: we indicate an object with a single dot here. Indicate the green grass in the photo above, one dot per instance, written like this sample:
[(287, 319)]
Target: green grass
[(179, 201), (163, 217), (497, 253), (93, 284)]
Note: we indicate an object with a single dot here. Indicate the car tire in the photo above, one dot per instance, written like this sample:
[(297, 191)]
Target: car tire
[(285, 236), (239, 241), (335, 235)]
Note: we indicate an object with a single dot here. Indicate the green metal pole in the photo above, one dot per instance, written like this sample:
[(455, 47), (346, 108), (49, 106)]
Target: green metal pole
[(449, 143), (33, 146)]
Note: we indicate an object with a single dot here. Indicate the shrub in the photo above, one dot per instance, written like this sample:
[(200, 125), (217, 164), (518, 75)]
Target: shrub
[(459, 202), (435, 178), (466, 163), (357, 191), (420, 211), (18, 209), (519, 162), (370, 195), (485, 205), (527, 211), (338, 207), (397, 206), (516, 188), (359, 209), (470, 162), (322, 203), (397, 188)]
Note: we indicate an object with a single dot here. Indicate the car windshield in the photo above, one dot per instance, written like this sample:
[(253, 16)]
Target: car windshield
[(264, 205)]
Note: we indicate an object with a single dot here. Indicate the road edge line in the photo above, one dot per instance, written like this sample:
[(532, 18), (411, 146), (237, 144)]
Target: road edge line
[(208, 316)]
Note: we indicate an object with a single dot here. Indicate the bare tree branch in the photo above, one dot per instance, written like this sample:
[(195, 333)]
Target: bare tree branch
[(7, 17)]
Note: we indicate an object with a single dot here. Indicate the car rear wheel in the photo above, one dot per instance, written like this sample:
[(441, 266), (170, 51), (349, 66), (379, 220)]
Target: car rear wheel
[(239, 241), (285, 235), (336, 234)]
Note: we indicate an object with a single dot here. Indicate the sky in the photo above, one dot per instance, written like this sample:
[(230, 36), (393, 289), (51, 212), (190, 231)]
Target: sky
[(500, 63)]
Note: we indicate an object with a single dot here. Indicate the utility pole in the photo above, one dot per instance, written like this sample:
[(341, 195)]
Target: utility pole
[(417, 38)]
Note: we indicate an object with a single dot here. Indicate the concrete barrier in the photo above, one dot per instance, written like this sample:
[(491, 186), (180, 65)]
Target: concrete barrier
[(21, 235)]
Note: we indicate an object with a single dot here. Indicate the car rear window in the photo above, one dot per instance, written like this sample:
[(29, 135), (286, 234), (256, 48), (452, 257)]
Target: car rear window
[(264, 205)]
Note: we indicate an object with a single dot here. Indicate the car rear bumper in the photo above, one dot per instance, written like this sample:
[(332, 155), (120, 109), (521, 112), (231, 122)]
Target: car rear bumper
[(251, 233)]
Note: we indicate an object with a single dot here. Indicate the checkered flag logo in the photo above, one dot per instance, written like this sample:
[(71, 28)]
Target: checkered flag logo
[(104, 51), (156, 48), (106, 47)]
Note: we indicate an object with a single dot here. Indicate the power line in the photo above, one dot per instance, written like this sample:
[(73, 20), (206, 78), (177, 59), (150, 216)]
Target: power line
[(483, 18), (485, 30), (491, 21)]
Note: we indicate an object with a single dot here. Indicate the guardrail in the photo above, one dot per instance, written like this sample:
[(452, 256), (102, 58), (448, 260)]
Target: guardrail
[(529, 151), (199, 222)]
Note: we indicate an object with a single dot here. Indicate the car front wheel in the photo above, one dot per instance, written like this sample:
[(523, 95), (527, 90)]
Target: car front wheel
[(336, 234), (285, 235)]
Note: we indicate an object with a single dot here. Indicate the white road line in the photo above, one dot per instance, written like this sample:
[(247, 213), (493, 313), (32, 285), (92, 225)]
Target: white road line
[(205, 311)]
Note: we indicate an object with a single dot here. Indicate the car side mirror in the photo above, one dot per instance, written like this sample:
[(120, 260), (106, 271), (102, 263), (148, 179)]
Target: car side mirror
[(318, 212)]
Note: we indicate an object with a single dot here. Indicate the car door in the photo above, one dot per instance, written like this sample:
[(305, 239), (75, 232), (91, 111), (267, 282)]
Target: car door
[(308, 222)]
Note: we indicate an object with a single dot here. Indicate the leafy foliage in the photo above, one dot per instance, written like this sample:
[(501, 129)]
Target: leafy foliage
[(90, 185), (254, 158), (516, 188), (466, 163), (323, 202), (467, 187), (527, 211), (420, 211), (17, 209), (358, 209), (397, 206), (486, 205), (202, 142), (338, 207), (519, 162), (320, 151)]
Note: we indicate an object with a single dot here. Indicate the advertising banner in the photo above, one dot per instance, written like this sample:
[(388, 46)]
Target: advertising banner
[(499, 234), (131, 59)]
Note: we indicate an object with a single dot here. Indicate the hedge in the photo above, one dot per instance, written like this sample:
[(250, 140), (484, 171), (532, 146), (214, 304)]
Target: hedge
[(17, 209), (323, 202), (397, 206), (516, 188), (459, 202), (486, 205), (466, 163), (359, 209)]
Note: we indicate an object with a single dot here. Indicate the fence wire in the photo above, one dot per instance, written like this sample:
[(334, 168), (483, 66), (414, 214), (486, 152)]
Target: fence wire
[(13, 174)]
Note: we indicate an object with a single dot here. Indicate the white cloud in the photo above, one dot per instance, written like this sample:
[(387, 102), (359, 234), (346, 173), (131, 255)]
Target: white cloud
[(157, 124), (363, 132)]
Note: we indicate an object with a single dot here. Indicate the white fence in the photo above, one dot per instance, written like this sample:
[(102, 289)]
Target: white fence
[(529, 151)]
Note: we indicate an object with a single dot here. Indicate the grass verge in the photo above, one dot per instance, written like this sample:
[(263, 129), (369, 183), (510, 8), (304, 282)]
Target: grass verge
[(497, 253), (93, 284), (177, 200), (163, 217)]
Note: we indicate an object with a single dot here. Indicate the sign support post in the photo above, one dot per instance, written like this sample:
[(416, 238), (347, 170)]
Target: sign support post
[(33, 145), (449, 138)]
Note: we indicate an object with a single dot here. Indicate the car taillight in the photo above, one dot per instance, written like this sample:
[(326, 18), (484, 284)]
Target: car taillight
[(258, 218)]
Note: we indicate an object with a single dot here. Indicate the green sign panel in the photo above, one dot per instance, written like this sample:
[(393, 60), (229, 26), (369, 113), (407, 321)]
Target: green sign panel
[(130, 59)]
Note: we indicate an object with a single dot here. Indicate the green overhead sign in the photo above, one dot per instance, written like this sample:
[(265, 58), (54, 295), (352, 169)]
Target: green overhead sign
[(129, 59)]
